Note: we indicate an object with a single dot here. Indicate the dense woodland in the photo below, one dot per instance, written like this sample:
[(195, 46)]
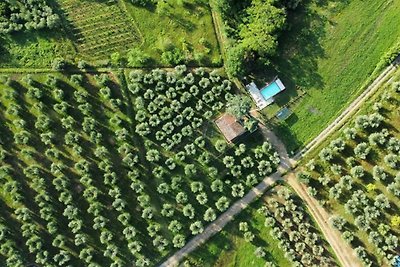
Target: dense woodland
[(253, 26), (18, 15)]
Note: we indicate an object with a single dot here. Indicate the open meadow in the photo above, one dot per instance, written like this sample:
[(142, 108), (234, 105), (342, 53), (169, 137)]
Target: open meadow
[(326, 57)]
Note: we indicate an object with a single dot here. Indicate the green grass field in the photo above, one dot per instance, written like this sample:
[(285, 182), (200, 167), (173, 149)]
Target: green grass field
[(188, 27), (35, 49), (330, 51)]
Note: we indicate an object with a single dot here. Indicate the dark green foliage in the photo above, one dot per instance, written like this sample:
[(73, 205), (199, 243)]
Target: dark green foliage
[(142, 2), (173, 56), (253, 25)]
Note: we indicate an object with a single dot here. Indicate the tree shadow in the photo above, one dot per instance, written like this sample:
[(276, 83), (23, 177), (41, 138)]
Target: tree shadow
[(71, 31), (284, 133), (300, 48)]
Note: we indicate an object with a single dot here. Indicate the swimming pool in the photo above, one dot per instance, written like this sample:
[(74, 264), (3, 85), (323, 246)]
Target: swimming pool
[(270, 90)]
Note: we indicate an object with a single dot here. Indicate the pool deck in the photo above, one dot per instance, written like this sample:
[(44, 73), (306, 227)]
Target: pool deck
[(255, 93), (265, 96)]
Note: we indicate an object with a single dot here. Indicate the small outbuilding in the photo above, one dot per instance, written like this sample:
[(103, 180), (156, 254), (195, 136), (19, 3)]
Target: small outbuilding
[(283, 114), (229, 127)]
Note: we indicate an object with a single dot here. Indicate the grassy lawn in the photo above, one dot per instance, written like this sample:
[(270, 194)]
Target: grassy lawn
[(34, 49), (188, 27), (330, 49)]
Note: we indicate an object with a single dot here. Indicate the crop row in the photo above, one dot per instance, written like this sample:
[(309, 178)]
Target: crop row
[(104, 26)]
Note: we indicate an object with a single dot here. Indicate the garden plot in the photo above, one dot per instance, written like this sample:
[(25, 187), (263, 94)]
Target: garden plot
[(100, 27)]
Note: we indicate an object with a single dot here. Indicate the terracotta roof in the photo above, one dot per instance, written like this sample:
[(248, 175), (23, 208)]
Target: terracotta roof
[(229, 127)]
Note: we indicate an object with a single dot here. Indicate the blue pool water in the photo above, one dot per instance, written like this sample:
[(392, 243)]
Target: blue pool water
[(270, 90)]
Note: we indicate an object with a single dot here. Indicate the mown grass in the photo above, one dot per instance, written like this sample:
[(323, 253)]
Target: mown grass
[(182, 27), (330, 50)]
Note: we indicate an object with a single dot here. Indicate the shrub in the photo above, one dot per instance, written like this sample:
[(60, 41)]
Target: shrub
[(303, 177), (350, 133), (220, 145), (392, 161), (174, 56), (357, 171), (338, 222), (137, 58), (196, 228)]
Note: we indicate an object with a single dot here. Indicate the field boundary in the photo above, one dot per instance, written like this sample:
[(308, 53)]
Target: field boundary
[(349, 111), (125, 9)]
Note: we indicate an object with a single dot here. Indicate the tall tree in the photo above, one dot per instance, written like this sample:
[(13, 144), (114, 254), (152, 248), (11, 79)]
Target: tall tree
[(239, 106), (259, 32)]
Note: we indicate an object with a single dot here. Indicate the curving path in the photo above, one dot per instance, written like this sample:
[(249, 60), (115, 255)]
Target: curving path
[(342, 250)]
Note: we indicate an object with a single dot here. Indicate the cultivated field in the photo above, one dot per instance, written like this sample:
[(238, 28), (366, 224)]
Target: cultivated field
[(100, 28), (98, 172), (356, 177), (274, 231)]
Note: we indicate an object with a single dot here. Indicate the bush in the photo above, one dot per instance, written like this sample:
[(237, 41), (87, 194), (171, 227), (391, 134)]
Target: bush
[(19, 15), (337, 222), (220, 145), (142, 3), (137, 58), (326, 154), (362, 150), (175, 56)]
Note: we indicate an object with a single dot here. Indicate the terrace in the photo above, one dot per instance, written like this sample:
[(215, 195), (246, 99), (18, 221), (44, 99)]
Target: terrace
[(265, 96)]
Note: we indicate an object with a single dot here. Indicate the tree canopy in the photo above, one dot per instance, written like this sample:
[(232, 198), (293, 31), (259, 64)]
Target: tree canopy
[(17, 15), (239, 106)]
